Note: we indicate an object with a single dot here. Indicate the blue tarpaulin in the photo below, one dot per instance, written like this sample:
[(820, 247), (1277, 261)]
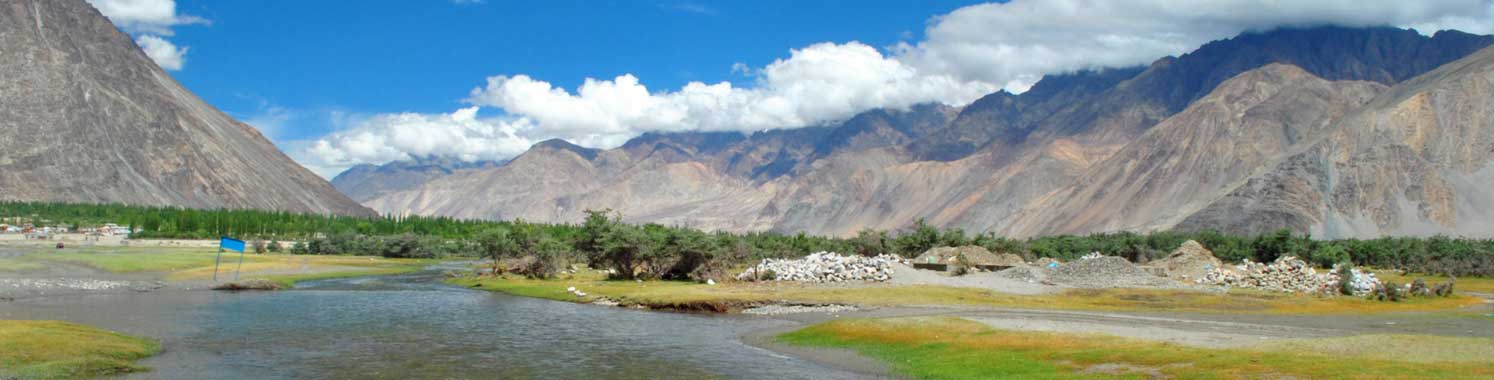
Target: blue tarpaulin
[(231, 244)]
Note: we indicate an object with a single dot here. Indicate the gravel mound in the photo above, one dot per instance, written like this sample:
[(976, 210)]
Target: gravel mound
[(1106, 272), (1025, 273), (823, 267), (974, 254), (1189, 263)]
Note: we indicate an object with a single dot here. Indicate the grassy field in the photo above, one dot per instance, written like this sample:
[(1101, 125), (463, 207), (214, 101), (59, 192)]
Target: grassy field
[(18, 265), (61, 350), (1411, 348), (952, 348), (687, 295), (197, 263), (1471, 284)]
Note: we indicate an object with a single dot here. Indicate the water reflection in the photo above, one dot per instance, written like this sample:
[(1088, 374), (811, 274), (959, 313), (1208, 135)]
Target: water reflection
[(412, 327)]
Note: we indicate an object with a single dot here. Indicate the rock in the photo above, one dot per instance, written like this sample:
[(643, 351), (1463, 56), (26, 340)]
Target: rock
[(255, 284), (1288, 275), (823, 267)]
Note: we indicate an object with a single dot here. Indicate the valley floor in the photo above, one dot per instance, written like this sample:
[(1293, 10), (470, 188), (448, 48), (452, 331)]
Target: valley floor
[(944, 332)]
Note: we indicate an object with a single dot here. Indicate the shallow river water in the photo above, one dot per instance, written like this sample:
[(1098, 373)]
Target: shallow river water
[(414, 327)]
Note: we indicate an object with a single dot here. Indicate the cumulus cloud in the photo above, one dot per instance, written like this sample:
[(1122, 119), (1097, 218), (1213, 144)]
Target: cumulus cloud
[(1016, 43), (387, 137), (150, 21), (821, 82), (967, 53), (166, 54)]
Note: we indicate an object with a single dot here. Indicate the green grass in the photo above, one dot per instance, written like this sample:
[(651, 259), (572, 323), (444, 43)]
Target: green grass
[(952, 348), (1472, 284), (135, 259), (61, 350), (672, 293), (197, 263), (18, 265)]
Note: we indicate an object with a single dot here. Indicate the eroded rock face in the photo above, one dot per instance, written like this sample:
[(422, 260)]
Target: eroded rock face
[(85, 116), (1418, 160)]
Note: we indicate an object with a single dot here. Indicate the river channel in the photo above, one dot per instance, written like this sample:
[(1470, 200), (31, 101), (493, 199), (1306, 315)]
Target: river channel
[(415, 327)]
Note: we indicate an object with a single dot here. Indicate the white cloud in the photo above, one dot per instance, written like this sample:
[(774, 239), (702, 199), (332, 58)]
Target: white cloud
[(149, 21), (1014, 44), (382, 138), (815, 84), (968, 53), (166, 54)]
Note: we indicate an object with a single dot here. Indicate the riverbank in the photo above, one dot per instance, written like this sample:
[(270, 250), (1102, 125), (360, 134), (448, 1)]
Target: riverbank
[(736, 296), (62, 350), (43, 271), (923, 331), (956, 348)]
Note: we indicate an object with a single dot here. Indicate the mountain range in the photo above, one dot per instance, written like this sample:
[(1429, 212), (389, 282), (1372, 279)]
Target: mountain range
[(1333, 131), (86, 116)]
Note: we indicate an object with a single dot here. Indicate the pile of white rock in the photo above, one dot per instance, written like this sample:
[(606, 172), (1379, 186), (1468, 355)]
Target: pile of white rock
[(1092, 255), (823, 267), (1288, 275)]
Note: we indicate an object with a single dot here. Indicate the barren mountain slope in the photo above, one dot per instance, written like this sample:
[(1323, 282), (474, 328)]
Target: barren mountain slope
[(85, 116), (709, 180), (1194, 157), (1418, 160)]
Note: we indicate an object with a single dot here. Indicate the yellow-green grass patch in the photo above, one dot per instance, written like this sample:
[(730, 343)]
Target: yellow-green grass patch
[(1411, 348), (1472, 284), (952, 348), (18, 265), (666, 293), (62, 350), (133, 259)]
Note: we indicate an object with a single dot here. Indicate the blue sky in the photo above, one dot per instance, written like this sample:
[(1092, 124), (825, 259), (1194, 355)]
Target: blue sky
[(340, 83), (424, 56)]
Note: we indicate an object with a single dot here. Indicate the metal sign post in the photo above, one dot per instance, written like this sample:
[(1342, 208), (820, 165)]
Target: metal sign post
[(233, 245)]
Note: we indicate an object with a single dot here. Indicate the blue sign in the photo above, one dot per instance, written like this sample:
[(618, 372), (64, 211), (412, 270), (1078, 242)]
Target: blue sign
[(231, 244)]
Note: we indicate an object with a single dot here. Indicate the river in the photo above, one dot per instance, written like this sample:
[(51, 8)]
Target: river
[(415, 327)]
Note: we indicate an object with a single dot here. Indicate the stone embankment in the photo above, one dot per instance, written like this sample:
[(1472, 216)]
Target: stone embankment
[(1289, 275)]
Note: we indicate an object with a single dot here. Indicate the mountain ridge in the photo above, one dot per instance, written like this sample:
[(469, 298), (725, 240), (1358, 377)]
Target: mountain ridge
[(86, 116)]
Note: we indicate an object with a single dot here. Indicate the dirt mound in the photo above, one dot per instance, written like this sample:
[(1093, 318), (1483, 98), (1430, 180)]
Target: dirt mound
[(1106, 272), (1189, 263), (974, 254)]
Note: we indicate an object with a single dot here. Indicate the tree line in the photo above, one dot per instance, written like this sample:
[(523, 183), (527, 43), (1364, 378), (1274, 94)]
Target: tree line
[(603, 240)]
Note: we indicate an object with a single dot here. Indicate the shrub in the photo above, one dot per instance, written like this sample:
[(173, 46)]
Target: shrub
[(1346, 279), (274, 246)]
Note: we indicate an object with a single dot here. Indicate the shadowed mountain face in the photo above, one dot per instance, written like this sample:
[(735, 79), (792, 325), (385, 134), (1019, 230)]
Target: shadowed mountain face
[(1136, 149), (85, 116)]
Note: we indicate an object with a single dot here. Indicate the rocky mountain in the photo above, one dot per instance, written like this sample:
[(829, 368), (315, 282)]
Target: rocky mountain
[(1140, 149), (85, 116), (1418, 160), (367, 181)]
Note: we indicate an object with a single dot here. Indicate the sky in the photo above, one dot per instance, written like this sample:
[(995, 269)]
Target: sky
[(340, 83)]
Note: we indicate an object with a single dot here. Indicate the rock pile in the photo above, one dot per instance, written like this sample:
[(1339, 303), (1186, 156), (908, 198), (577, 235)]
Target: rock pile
[(1189, 263), (1106, 272), (1288, 275), (823, 267)]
